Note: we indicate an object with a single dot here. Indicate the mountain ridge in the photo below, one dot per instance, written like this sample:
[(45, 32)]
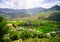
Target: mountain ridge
[(21, 12), (25, 12)]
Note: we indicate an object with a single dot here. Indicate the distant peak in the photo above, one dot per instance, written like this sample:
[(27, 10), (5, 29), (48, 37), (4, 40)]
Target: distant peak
[(56, 6)]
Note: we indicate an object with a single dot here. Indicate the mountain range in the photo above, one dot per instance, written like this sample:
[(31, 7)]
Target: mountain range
[(12, 13)]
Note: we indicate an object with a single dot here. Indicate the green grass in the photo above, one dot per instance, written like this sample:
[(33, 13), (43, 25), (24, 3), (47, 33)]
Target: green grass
[(29, 36), (51, 39), (48, 27)]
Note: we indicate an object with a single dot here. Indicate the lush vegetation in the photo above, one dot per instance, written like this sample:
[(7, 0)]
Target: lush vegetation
[(38, 28)]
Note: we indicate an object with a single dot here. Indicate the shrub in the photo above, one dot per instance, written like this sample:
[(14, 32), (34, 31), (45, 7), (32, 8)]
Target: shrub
[(6, 39), (14, 35), (3, 27)]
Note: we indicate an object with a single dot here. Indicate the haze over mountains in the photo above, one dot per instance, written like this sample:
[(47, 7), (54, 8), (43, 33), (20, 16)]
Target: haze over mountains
[(24, 12)]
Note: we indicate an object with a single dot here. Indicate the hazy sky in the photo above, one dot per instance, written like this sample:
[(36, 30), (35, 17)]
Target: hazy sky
[(25, 4)]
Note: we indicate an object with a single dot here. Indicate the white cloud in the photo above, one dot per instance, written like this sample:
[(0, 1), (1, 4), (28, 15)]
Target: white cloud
[(34, 3), (20, 4), (49, 5), (17, 4)]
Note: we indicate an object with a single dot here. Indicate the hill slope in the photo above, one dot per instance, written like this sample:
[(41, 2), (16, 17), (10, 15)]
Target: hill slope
[(51, 13), (20, 13)]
